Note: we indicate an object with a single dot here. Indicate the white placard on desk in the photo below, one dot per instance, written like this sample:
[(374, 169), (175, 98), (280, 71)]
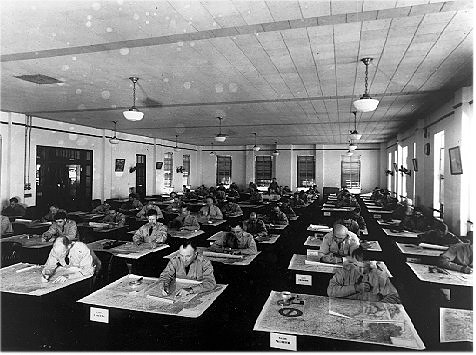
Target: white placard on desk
[(326, 214), (312, 252), (99, 315), (283, 341), (305, 280)]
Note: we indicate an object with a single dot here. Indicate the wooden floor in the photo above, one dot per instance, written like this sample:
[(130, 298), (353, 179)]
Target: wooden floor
[(57, 322)]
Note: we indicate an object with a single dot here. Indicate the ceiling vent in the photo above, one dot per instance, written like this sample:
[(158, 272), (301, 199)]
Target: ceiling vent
[(39, 79)]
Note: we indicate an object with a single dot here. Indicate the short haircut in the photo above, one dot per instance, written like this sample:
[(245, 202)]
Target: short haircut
[(60, 215), (14, 199), (358, 253), (173, 193), (235, 224), (210, 196), (151, 212), (186, 242)]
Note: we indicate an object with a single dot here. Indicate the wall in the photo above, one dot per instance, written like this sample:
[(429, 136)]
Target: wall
[(106, 182), (452, 117)]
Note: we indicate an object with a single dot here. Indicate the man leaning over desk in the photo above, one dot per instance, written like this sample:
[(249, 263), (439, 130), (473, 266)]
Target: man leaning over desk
[(338, 243), (151, 233), (237, 240), (188, 264), (61, 227), (458, 257)]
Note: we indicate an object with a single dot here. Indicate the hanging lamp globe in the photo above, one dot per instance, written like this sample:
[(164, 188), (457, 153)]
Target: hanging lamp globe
[(366, 103), (133, 114)]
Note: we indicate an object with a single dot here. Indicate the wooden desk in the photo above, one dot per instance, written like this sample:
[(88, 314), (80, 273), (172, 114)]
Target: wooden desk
[(27, 241), (403, 234), (342, 319), (377, 214), (241, 260), (416, 250), (184, 234), (448, 277)]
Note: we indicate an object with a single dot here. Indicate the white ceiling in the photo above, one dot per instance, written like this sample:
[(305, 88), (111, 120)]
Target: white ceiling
[(288, 70)]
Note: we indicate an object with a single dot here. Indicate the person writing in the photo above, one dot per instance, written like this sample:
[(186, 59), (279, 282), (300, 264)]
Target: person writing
[(362, 280), (61, 227), (210, 210), (185, 221), (255, 227), (349, 223), (277, 217), (336, 244), (114, 218), (14, 209), (149, 206), (71, 255), (458, 257), (230, 208), (151, 233), (237, 241), (188, 264)]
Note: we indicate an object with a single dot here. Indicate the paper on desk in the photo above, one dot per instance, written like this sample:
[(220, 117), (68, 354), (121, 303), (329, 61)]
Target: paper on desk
[(318, 263), (221, 255)]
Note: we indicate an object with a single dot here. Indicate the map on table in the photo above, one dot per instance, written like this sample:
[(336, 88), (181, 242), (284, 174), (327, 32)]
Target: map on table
[(276, 226), (117, 295), (380, 211), (403, 234), (269, 239), (449, 277), (306, 263), (389, 223), (133, 251), (28, 241), (338, 209), (248, 205), (185, 234), (414, 249), (211, 222), (319, 228), (242, 260), (370, 245), (365, 322), (24, 278), (456, 325), (313, 241), (32, 224)]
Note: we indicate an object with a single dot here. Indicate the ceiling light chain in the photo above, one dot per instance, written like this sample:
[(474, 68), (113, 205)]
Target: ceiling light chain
[(133, 114), (366, 103)]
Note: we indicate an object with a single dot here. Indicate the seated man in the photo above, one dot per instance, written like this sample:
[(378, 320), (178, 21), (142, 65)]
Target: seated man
[(237, 240), (149, 206), (102, 208), (255, 227), (348, 200), (273, 187), (361, 280), (355, 214), (435, 236), (252, 187), (296, 200), (256, 196), (185, 221), (233, 194), (114, 218), (61, 227), (458, 257), (50, 216), (14, 209), (286, 190), (188, 264), (403, 209), (68, 254), (6, 226), (176, 204), (303, 196), (349, 223), (132, 204), (336, 244), (220, 195), (152, 233), (414, 222), (277, 217), (210, 210), (230, 208)]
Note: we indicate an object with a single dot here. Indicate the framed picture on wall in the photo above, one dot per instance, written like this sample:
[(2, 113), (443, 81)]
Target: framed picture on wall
[(415, 164), (455, 161), (158, 165), (120, 165)]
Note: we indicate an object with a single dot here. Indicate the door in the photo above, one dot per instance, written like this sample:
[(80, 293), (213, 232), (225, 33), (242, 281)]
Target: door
[(140, 175)]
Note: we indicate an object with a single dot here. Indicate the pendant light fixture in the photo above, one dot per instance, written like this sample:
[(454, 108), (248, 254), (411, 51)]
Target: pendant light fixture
[(212, 152), (354, 135), (176, 148), (133, 114), (276, 153), (220, 137), (352, 146), (366, 103), (256, 148), (114, 139)]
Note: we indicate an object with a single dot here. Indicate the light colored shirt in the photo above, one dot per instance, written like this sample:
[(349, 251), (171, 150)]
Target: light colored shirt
[(79, 256), (68, 230), (117, 217), (212, 211), (457, 256), (188, 221), (151, 232), (343, 283), (200, 269), (331, 251), (6, 225)]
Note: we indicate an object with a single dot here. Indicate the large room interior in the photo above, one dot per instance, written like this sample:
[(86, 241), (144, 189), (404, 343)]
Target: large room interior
[(103, 99)]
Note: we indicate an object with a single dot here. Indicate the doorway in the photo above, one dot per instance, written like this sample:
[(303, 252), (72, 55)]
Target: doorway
[(63, 176), (140, 175)]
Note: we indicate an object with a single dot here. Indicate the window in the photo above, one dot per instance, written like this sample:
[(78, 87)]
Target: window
[(414, 175), (397, 173), (223, 170), (186, 170), (306, 172), (263, 170), (439, 173), (389, 177), (168, 169), (404, 176), (350, 172)]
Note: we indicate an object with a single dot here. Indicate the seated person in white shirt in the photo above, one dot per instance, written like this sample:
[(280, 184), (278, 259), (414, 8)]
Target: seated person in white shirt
[(210, 210), (68, 254), (338, 243)]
